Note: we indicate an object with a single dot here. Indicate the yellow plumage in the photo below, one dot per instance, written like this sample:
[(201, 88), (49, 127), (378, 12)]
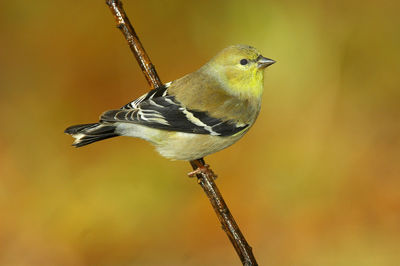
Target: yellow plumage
[(194, 116)]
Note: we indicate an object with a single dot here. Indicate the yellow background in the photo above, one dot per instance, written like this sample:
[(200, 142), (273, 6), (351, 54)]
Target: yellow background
[(316, 181)]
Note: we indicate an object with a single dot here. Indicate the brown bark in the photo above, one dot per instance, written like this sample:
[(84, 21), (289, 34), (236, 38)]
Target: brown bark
[(205, 175)]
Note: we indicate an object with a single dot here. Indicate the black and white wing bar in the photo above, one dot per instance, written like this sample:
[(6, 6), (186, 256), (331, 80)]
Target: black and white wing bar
[(158, 92), (159, 110)]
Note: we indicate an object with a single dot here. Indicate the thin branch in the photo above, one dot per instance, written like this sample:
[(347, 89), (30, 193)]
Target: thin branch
[(136, 46), (206, 181), (206, 176)]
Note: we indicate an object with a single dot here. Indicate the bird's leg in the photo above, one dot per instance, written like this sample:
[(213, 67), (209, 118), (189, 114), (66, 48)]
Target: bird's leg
[(200, 167)]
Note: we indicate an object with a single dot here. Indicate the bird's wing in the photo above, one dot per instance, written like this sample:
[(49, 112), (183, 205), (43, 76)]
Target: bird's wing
[(155, 93), (157, 109)]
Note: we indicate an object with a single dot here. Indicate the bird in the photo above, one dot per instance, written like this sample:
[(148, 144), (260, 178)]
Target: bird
[(194, 116)]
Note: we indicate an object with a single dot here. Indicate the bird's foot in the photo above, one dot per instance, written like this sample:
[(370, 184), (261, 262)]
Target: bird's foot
[(202, 169)]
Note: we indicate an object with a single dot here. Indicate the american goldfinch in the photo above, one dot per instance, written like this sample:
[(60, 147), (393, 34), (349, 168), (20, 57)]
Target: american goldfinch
[(194, 116)]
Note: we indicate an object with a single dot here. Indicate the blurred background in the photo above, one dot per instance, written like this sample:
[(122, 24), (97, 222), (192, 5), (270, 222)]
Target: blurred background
[(316, 181)]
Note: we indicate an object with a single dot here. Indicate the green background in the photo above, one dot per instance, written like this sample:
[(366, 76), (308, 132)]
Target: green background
[(316, 181)]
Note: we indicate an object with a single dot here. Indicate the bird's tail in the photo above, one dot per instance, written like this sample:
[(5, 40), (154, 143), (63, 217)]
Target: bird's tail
[(89, 133)]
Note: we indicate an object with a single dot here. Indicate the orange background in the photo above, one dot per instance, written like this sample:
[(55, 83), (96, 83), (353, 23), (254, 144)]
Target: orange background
[(315, 182)]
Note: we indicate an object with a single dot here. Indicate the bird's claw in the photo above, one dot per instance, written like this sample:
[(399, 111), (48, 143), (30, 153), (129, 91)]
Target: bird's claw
[(204, 169)]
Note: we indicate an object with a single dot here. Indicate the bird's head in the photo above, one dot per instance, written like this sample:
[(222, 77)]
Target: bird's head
[(240, 69)]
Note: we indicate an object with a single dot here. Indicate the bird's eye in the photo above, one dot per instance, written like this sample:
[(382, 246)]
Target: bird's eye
[(244, 62)]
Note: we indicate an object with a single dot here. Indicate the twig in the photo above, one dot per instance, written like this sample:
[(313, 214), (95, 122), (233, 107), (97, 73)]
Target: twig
[(206, 181), (136, 46), (206, 177)]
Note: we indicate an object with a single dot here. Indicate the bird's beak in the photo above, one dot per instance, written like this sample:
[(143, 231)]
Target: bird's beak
[(263, 62)]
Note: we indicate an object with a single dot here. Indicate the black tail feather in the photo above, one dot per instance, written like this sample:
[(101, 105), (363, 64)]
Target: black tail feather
[(88, 133), (79, 128)]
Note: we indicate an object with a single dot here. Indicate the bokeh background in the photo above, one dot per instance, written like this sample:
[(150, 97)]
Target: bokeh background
[(316, 181)]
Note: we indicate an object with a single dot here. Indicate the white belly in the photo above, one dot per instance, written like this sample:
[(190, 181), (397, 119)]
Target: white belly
[(178, 145)]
